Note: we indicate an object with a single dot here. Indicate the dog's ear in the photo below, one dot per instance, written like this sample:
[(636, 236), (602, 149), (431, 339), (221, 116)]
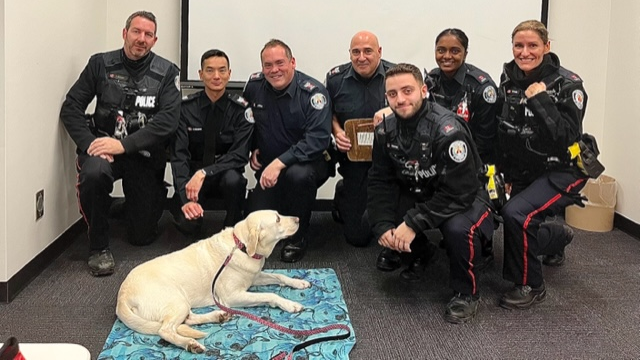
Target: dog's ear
[(252, 240)]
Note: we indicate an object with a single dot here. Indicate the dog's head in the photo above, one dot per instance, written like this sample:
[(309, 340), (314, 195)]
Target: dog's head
[(261, 230)]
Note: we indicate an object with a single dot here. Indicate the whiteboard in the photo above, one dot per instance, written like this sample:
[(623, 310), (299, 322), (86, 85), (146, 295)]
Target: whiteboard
[(319, 32)]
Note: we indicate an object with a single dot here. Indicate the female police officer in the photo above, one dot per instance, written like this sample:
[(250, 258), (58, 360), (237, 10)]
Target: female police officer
[(541, 107)]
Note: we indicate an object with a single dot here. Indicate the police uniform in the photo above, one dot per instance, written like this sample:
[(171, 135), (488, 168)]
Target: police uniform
[(138, 102), (214, 137), (425, 173), (293, 125), (354, 97), (534, 136), (471, 94)]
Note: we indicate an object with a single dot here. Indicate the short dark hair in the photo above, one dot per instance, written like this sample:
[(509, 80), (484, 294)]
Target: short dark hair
[(274, 43), (144, 14), (211, 53), (457, 33), (404, 68)]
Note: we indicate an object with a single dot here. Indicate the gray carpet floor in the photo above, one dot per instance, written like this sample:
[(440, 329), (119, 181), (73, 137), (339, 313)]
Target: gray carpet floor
[(591, 312)]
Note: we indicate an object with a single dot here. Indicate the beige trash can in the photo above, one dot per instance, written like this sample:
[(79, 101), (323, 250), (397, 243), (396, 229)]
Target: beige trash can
[(598, 214)]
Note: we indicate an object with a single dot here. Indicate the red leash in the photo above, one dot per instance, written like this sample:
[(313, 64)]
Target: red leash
[(304, 333)]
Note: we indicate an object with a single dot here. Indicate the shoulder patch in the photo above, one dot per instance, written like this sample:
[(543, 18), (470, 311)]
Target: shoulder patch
[(489, 94), (249, 115), (177, 82), (256, 76), (318, 101), (238, 100), (458, 151), (577, 97)]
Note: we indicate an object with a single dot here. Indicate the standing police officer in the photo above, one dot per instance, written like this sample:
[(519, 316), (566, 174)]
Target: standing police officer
[(211, 146), (292, 133), (356, 90), (137, 110), (424, 185)]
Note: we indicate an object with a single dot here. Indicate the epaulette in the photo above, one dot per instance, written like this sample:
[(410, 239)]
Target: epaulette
[(238, 100), (191, 96), (336, 70), (256, 76), (307, 85), (569, 75), (478, 75)]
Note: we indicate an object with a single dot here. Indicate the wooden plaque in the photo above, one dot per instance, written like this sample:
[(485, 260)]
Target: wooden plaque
[(361, 133)]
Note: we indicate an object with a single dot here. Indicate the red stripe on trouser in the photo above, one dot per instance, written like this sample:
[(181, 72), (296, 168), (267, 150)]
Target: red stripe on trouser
[(470, 243), (84, 216)]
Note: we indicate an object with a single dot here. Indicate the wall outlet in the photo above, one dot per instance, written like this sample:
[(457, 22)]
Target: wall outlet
[(40, 204)]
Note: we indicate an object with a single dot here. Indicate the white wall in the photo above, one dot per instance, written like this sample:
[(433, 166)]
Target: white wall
[(599, 40), (47, 43)]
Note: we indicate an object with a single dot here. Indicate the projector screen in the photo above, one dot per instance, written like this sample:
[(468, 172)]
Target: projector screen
[(319, 32)]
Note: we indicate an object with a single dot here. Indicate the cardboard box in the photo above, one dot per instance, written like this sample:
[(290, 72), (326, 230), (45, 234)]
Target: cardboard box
[(598, 214)]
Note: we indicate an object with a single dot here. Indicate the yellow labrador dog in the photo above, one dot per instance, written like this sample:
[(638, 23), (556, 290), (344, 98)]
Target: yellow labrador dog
[(157, 296)]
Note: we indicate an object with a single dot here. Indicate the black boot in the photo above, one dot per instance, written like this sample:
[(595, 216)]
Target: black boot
[(558, 259), (293, 251), (523, 297), (417, 268), (388, 260), (461, 308)]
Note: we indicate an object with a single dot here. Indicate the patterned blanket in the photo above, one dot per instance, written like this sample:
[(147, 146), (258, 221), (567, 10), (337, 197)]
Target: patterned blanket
[(241, 338)]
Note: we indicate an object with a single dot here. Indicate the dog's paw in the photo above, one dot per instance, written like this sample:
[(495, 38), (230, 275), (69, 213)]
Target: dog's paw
[(291, 306), (300, 284), (195, 347), (224, 317)]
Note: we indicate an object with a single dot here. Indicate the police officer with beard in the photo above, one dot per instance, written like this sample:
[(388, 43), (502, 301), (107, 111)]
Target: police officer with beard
[(210, 149), (424, 186), (137, 111)]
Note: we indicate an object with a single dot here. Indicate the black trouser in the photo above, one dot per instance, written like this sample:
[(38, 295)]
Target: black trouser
[(462, 238), (294, 193), (352, 202), (230, 185), (526, 236), (143, 186)]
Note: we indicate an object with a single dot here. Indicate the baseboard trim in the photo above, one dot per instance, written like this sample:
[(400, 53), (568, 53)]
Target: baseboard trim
[(10, 289), (626, 225)]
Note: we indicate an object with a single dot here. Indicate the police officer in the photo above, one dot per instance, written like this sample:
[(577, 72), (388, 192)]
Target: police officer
[(424, 185), (542, 106), (291, 136), (464, 89), (211, 146), (470, 93), (356, 90), (137, 110)]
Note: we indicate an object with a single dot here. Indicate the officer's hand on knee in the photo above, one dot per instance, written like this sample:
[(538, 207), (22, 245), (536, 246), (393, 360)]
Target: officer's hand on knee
[(192, 210)]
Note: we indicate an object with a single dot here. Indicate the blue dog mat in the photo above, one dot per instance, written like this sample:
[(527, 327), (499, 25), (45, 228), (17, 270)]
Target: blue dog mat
[(243, 339)]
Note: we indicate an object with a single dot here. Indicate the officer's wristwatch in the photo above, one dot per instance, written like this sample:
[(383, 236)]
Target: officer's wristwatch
[(203, 172)]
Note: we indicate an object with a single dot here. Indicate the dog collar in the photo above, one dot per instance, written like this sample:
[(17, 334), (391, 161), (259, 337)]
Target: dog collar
[(242, 247)]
